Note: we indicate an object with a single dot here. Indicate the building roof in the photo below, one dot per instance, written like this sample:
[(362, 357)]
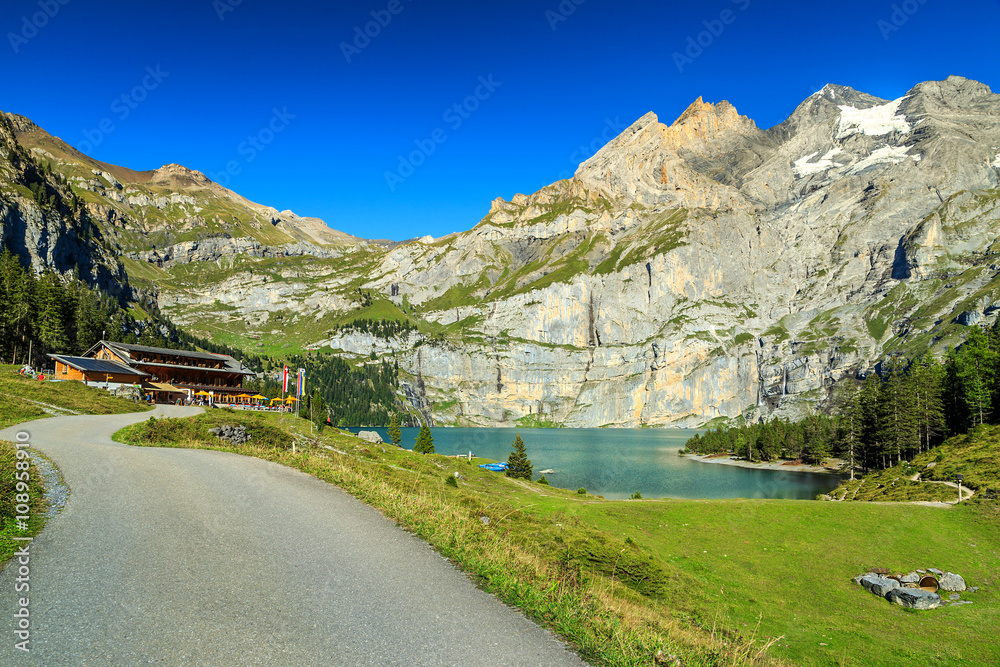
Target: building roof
[(228, 370), (90, 365), (163, 350), (126, 351)]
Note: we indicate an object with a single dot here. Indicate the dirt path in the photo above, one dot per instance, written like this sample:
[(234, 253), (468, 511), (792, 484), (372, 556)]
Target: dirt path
[(966, 491), (53, 410)]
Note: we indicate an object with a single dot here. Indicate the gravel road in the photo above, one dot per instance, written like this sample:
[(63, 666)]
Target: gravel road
[(192, 557)]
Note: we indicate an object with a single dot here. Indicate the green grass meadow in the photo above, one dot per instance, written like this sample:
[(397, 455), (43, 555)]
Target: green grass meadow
[(789, 564), (713, 582), (20, 397), (720, 582)]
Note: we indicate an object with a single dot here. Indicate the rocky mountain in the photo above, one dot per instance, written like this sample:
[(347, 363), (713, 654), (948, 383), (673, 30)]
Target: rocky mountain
[(142, 210), (43, 223), (706, 268)]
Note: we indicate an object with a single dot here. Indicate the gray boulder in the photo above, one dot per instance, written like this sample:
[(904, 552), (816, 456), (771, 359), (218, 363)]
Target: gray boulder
[(914, 598), (236, 435), (934, 570), (950, 581), (371, 436), (878, 585), (910, 578), (968, 318), (129, 391)]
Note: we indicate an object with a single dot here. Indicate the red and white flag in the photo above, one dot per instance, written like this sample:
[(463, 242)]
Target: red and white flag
[(284, 381)]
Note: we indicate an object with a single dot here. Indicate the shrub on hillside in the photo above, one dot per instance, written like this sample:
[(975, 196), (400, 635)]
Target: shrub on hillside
[(166, 432), (640, 571)]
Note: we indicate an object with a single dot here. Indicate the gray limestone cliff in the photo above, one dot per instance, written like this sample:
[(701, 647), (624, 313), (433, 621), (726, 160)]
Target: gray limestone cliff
[(706, 268)]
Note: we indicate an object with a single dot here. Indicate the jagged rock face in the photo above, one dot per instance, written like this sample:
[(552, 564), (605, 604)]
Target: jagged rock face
[(702, 269), (706, 268), (49, 237), (44, 240), (215, 249), (172, 203), (806, 253)]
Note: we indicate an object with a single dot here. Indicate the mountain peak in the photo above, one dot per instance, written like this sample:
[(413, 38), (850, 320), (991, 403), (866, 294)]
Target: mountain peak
[(704, 114), (178, 176), (955, 90), (21, 123), (702, 123)]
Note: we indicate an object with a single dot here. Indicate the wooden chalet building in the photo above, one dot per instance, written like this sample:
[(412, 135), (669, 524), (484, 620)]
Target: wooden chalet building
[(98, 371), (167, 374)]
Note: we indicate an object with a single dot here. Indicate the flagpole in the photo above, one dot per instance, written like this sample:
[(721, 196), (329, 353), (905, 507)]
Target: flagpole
[(300, 386), (284, 387)]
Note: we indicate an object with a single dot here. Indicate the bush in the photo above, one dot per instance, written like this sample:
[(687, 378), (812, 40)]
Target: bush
[(640, 571), (543, 481), (451, 480), (635, 496), (167, 432), (582, 491)]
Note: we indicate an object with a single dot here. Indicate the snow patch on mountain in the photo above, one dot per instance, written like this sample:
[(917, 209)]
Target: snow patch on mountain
[(883, 155), (873, 122), (996, 161), (806, 167)]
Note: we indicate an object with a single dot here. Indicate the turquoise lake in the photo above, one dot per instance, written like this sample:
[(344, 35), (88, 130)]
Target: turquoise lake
[(615, 463)]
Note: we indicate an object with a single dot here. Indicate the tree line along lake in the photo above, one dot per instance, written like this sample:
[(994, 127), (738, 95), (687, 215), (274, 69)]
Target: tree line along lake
[(615, 463)]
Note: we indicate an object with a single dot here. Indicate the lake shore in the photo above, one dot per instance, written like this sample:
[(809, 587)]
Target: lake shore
[(833, 468)]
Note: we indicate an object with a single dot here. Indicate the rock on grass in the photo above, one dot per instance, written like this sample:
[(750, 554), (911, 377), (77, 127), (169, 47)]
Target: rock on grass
[(914, 598)]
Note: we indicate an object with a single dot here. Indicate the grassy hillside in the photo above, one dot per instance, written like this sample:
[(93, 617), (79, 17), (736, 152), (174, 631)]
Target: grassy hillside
[(23, 399), (976, 455), (730, 582)]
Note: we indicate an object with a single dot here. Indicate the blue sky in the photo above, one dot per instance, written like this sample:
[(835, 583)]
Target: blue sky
[(290, 107)]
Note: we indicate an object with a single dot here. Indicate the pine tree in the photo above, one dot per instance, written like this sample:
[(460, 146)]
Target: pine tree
[(90, 320), (518, 464), (897, 418), (394, 433), (744, 445), (866, 410), (848, 432), (768, 446), (150, 336), (816, 440), (49, 313), (317, 409), (425, 442), (17, 288), (927, 383), (976, 370), (956, 412)]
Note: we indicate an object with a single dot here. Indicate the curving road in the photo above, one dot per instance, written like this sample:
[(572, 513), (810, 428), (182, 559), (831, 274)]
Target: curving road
[(193, 557)]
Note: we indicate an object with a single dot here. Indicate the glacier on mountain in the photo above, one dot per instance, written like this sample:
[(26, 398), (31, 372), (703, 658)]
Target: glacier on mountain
[(874, 122)]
